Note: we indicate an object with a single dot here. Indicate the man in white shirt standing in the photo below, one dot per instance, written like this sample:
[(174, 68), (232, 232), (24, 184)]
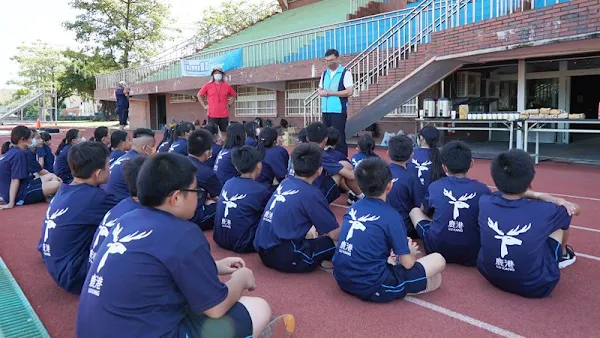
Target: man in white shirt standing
[(335, 87)]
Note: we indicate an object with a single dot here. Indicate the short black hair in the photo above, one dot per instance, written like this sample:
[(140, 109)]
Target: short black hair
[(86, 157), (373, 175), (161, 175), (332, 52), (131, 169), (457, 157), (400, 148), (306, 159), (199, 142), (302, 135), (212, 128), (142, 132), (117, 137), (245, 159), (316, 132), (333, 136), (513, 171)]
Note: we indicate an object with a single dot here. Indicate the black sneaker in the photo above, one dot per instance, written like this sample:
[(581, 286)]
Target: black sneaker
[(352, 198), (568, 258)]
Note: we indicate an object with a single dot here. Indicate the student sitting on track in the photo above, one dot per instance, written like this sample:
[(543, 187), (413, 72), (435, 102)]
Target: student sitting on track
[(334, 173), (523, 241), (199, 149), (251, 136), (34, 167), (301, 139), (120, 143), (143, 144), (101, 135), (130, 171), (216, 146), (154, 275), (242, 203), (74, 214), (275, 159), (453, 204), (165, 143), (427, 162), (407, 192), (179, 138), (17, 185), (297, 206), (333, 138), (44, 153), (61, 164), (363, 265), (366, 149), (235, 139)]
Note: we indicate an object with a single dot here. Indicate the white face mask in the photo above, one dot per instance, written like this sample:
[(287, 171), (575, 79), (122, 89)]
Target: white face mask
[(33, 143), (83, 139), (218, 77)]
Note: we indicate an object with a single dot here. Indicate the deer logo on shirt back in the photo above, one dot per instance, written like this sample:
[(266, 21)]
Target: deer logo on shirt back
[(49, 224), (460, 203), (421, 167), (230, 202), (356, 224), (507, 240)]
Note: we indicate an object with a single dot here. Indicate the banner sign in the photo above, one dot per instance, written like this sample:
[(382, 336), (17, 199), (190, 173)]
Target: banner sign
[(227, 62)]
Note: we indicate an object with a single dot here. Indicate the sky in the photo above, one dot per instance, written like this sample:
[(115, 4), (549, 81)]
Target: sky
[(45, 24)]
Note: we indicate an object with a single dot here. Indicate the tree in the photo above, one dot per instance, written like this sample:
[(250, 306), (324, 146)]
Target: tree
[(232, 17), (40, 66), (125, 32)]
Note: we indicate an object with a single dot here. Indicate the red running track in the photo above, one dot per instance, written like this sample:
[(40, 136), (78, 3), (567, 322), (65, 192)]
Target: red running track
[(465, 305)]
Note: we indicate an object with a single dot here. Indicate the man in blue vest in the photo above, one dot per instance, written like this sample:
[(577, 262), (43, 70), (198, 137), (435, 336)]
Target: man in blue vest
[(335, 88)]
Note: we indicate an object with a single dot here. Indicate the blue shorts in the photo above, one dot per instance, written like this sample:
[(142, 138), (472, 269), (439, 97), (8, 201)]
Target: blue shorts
[(422, 229), (236, 323), (206, 216), (298, 256), (544, 286), (400, 282), (33, 193), (330, 189), (123, 113)]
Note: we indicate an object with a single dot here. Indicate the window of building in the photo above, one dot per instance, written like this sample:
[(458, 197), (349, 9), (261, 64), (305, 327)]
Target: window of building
[(543, 66), (590, 63), (409, 109), (182, 98), (295, 94), (542, 93), (255, 102)]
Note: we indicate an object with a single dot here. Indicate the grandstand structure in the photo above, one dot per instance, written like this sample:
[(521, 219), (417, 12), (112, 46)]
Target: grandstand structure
[(493, 55)]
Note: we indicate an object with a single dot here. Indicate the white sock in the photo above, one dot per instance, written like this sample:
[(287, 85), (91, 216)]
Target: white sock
[(361, 196)]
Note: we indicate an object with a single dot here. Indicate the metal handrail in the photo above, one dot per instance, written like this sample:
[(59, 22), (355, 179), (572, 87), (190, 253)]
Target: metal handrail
[(102, 80), (361, 65)]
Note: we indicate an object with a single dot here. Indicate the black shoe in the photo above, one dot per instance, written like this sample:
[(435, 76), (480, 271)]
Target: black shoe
[(568, 258)]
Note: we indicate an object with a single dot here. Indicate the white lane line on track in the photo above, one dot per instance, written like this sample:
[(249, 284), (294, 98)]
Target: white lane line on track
[(596, 258), (584, 228), (453, 314), (463, 318)]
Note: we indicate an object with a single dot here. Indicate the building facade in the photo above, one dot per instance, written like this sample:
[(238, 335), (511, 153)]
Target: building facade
[(494, 55)]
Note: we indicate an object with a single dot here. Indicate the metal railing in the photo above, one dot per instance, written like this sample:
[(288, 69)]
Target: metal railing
[(402, 39), (347, 37), (23, 102)]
